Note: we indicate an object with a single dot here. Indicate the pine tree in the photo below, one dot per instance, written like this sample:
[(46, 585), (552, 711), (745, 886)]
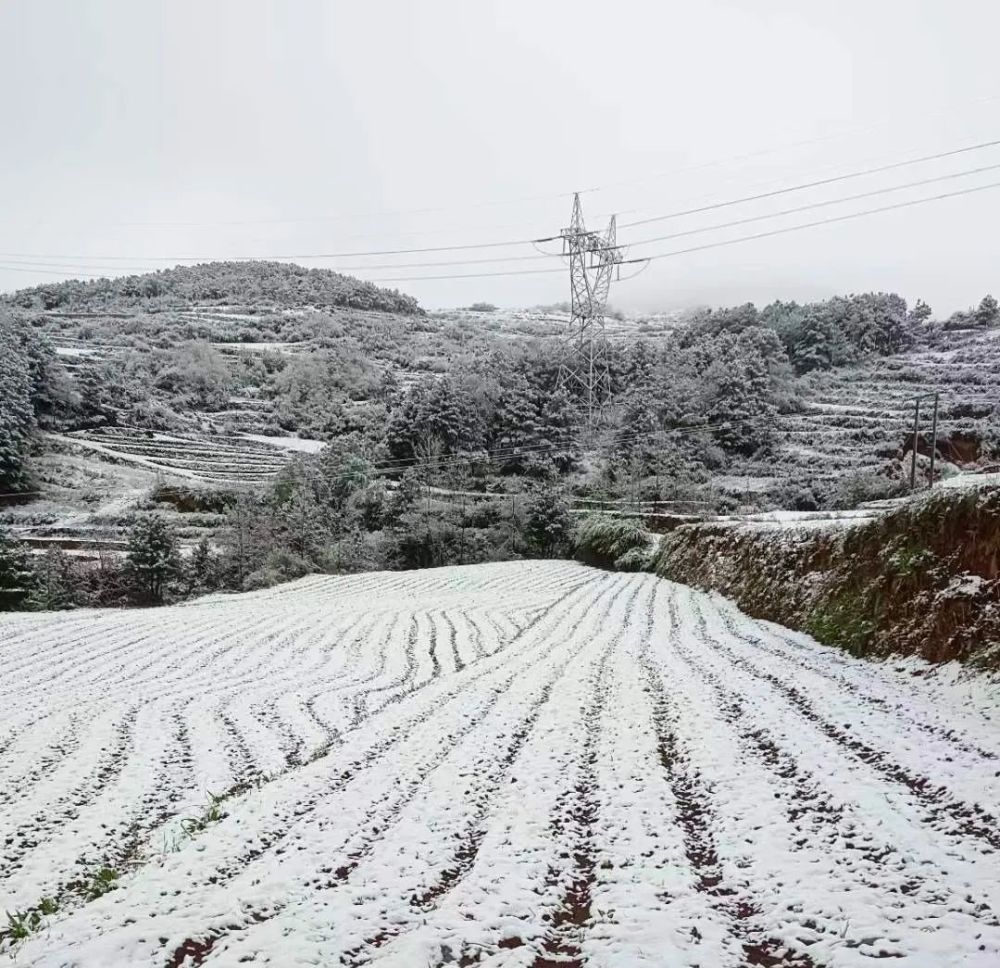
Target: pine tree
[(819, 344), (17, 421), (987, 313), (738, 401), (153, 559), (202, 569), (55, 585), (920, 313), (17, 577)]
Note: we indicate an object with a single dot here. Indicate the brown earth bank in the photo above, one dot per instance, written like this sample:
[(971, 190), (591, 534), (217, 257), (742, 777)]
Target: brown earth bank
[(922, 579)]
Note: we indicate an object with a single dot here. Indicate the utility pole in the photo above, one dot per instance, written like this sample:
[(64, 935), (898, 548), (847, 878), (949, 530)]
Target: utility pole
[(593, 259), (935, 396)]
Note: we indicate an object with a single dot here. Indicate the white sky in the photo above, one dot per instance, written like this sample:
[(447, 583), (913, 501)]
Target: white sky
[(146, 129)]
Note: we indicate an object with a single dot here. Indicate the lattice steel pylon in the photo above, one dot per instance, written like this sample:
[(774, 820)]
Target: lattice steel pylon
[(593, 260)]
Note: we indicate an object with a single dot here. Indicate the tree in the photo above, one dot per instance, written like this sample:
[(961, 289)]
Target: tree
[(17, 577), (17, 420), (920, 313), (987, 313), (202, 569), (55, 585), (737, 398), (547, 524), (819, 344), (198, 372), (153, 560)]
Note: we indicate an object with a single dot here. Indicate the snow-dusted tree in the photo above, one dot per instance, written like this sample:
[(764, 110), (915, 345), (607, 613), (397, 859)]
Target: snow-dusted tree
[(819, 344), (987, 313), (638, 363), (199, 374), (737, 398), (635, 442), (876, 322), (55, 585), (153, 560), (547, 524), (558, 420), (17, 577), (920, 313), (202, 568), (17, 419)]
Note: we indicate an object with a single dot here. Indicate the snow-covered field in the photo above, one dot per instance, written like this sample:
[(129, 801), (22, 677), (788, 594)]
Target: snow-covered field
[(530, 764)]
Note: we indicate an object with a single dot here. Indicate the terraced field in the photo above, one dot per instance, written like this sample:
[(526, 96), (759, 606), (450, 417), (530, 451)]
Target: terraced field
[(856, 415), (530, 764), (199, 458)]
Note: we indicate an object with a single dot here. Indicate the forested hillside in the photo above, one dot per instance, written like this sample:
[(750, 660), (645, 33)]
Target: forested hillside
[(260, 284), (448, 436)]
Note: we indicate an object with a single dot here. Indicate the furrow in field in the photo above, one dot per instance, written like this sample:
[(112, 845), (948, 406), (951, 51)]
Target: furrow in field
[(848, 855), (731, 900), (395, 727), (943, 809), (838, 698)]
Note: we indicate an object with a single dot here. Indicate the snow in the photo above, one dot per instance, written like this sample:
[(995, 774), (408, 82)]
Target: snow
[(972, 480), (498, 765), (74, 351), (301, 444)]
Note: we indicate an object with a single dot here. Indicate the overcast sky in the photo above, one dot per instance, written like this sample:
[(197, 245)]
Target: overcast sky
[(149, 129)]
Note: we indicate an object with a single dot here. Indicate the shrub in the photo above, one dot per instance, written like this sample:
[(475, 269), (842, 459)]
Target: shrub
[(605, 541)]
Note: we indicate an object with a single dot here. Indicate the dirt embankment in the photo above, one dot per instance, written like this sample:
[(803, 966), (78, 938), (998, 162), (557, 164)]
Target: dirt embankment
[(923, 579)]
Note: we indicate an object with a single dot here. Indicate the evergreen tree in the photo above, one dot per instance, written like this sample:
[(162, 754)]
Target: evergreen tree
[(17, 421), (920, 313), (17, 577), (153, 560), (547, 524), (737, 401), (819, 344), (987, 313), (202, 570), (55, 585)]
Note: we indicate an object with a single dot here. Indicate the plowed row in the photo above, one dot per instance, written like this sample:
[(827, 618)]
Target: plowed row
[(527, 764)]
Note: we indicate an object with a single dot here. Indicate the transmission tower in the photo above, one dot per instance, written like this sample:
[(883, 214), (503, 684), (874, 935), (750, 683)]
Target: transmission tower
[(593, 259)]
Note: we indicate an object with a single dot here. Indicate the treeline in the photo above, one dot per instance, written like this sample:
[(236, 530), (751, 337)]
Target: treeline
[(216, 283), (34, 393), (328, 514)]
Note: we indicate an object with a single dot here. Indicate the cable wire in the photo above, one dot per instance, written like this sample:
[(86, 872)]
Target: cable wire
[(814, 184)]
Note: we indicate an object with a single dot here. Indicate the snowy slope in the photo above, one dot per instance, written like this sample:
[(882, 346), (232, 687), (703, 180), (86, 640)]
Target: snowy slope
[(530, 764)]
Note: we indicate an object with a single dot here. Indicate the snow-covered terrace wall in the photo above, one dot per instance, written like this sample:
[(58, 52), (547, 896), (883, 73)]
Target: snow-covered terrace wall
[(923, 579)]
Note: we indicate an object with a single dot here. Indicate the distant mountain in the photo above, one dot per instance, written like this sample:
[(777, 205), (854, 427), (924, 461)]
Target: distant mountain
[(258, 284)]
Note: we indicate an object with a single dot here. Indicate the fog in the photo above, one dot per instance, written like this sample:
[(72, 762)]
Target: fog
[(138, 134)]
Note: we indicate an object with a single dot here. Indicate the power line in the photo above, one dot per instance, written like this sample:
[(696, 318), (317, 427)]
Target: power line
[(804, 143), (826, 221), (553, 255), (815, 205), (710, 245), (662, 255), (677, 252), (813, 184), (523, 241)]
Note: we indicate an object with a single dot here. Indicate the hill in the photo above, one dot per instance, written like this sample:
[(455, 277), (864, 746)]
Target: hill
[(264, 285), (524, 764)]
